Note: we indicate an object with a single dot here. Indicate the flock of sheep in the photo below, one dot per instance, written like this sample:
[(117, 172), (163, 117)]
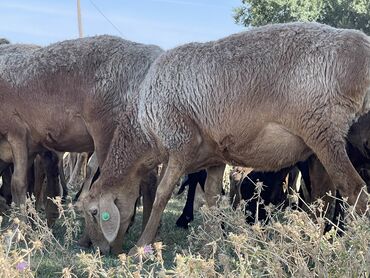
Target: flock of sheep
[(266, 98)]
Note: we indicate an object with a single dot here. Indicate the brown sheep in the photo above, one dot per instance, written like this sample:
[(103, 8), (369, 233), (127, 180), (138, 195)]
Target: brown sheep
[(265, 98), (66, 96)]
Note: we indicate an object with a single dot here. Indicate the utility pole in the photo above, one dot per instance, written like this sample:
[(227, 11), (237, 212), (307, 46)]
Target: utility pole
[(80, 33)]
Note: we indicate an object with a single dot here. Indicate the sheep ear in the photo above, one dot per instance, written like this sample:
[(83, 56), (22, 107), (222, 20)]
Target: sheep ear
[(109, 217)]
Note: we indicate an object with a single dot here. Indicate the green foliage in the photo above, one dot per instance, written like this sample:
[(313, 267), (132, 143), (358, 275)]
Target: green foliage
[(338, 13)]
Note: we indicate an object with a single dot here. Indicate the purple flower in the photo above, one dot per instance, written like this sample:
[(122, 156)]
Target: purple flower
[(148, 249), (21, 266)]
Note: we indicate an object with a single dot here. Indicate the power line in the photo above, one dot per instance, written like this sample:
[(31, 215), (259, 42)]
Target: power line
[(111, 23)]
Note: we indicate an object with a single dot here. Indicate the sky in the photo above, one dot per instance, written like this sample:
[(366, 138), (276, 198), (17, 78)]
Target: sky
[(167, 23)]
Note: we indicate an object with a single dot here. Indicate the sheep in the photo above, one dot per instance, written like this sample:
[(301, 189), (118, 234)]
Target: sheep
[(47, 157), (265, 98), (148, 187), (67, 96)]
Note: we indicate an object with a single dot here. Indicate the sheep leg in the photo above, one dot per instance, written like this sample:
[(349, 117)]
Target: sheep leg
[(102, 136), (62, 177), (92, 168), (84, 158), (320, 184), (173, 172), (305, 190), (31, 176), (50, 161), (92, 173), (80, 164), (293, 180), (213, 186), (39, 181), (148, 190), (72, 159), (19, 184), (320, 181), (345, 178), (188, 212), (234, 195), (5, 190), (294, 186)]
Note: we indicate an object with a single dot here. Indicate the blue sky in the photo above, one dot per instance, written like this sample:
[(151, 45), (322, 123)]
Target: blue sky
[(166, 23)]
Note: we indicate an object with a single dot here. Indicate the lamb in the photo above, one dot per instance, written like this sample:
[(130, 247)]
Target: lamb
[(266, 98)]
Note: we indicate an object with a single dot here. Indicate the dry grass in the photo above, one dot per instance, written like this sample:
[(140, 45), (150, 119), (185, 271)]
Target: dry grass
[(219, 244)]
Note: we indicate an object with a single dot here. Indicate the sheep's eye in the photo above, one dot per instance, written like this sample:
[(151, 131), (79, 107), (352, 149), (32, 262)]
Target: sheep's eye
[(94, 212)]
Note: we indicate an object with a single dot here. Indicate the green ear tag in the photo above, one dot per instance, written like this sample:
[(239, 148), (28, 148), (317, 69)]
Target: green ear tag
[(105, 216)]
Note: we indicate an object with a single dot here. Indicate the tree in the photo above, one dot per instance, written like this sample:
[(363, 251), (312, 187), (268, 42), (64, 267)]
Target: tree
[(338, 13)]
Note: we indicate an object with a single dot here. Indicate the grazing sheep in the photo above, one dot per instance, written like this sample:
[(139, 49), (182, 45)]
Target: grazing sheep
[(67, 96), (48, 160), (265, 98), (148, 186)]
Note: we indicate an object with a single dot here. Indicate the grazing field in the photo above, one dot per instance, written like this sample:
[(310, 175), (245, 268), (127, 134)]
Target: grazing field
[(218, 244)]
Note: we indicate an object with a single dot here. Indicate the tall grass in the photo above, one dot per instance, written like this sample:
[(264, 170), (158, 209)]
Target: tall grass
[(218, 244)]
